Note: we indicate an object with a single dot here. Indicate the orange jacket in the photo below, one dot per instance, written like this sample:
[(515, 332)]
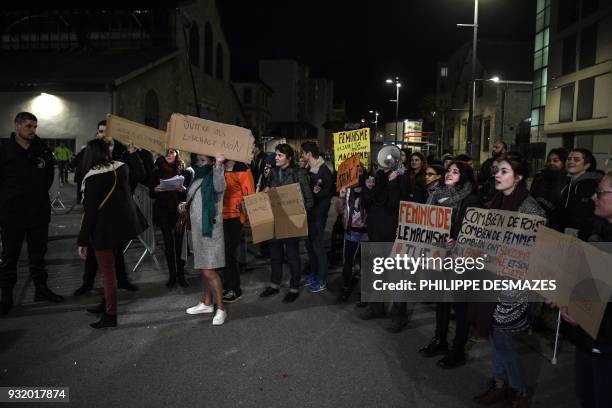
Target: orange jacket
[(239, 183)]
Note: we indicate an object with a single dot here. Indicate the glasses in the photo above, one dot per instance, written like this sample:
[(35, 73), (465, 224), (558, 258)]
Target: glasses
[(600, 193)]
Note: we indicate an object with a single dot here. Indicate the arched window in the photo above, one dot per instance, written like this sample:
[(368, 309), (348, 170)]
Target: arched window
[(194, 44), (208, 49), (151, 109), (219, 61)]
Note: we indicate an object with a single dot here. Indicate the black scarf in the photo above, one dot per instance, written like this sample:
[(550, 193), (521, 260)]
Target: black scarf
[(511, 202)]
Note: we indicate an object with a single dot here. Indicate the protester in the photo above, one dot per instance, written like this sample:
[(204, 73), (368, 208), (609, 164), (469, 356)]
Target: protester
[(110, 217), (577, 207), (547, 186), (166, 215), (258, 163), (322, 187), (285, 173), (26, 174), (458, 193), (403, 162), (486, 181), (511, 313), (239, 183), (465, 159), (354, 219), (447, 159), (418, 164), (593, 362), (434, 177), (206, 205), (62, 156)]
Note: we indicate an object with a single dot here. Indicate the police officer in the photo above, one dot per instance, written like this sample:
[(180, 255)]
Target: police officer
[(26, 174)]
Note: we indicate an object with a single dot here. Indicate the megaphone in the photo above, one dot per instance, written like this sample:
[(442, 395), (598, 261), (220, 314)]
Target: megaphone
[(388, 157)]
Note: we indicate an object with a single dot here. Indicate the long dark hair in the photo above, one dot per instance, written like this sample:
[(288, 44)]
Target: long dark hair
[(97, 154), (519, 165), (179, 165), (466, 174)]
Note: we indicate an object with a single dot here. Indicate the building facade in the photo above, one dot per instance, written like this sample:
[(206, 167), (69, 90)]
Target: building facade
[(255, 98)]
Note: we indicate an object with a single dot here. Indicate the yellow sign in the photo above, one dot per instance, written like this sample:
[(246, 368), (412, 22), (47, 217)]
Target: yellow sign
[(350, 143)]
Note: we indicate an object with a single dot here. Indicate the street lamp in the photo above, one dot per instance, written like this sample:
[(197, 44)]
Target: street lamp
[(397, 87), (473, 93)]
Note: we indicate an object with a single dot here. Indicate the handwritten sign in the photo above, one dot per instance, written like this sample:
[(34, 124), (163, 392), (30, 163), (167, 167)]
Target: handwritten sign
[(129, 132), (203, 136), (350, 143), (504, 238), (423, 229), (261, 217), (289, 212), (348, 173)]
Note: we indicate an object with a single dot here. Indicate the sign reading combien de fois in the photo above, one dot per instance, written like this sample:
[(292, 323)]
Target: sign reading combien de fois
[(350, 143), (129, 132), (203, 136)]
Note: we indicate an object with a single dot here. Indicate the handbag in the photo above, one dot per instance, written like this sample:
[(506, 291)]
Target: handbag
[(184, 218)]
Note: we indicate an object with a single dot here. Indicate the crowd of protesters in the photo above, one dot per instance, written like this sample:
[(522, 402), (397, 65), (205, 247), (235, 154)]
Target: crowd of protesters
[(570, 192)]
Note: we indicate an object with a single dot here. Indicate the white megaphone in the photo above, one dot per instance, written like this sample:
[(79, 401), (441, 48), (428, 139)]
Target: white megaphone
[(388, 157)]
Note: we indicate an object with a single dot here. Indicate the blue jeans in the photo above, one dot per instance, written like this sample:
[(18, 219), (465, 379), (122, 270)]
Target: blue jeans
[(506, 363), (316, 248)]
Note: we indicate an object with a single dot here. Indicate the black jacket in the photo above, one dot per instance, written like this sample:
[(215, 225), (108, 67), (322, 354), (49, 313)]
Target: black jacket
[(576, 203), (166, 202), (599, 230), (119, 220), (292, 174), (257, 166), (322, 200), (546, 189), (25, 179)]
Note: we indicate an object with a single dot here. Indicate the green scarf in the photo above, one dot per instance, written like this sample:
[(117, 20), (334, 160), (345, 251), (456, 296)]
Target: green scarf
[(209, 205)]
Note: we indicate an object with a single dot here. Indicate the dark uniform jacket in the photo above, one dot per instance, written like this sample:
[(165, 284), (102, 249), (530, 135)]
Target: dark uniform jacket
[(25, 179)]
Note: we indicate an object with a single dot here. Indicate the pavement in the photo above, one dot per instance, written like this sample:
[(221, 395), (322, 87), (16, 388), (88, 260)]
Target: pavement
[(312, 353)]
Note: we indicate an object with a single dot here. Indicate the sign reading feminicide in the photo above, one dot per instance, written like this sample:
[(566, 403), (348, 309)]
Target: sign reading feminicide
[(208, 137), (422, 229), (350, 143), (348, 173), (505, 238), (129, 132)]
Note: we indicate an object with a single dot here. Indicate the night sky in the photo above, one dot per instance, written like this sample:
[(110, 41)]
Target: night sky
[(358, 47)]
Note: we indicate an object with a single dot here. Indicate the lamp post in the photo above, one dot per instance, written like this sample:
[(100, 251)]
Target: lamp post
[(375, 113), (397, 87), (473, 93)]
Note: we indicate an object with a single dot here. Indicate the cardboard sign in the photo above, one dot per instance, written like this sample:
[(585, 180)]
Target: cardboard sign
[(505, 238), (350, 143), (261, 217), (207, 137), (581, 272), (348, 173), (289, 212), (142, 136), (422, 229)]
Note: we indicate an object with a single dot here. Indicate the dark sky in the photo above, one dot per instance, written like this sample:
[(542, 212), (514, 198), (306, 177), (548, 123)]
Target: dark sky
[(358, 45)]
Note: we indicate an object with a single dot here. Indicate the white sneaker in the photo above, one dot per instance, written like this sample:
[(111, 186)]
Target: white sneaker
[(200, 308), (219, 318)]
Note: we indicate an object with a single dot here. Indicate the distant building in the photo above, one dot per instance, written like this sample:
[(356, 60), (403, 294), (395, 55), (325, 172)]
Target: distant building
[(502, 109), (577, 82), (255, 97), (72, 66)]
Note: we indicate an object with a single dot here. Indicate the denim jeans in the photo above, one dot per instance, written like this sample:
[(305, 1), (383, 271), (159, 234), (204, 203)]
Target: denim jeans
[(316, 248), (505, 359)]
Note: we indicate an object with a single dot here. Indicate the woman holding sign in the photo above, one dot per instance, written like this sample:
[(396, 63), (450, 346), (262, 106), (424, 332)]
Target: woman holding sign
[(165, 211), (511, 313), (459, 193), (285, 173), (206, 211)]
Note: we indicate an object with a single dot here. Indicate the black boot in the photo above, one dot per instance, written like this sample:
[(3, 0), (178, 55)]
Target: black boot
[(127, 285), (182, 281), (180, 273), (6, 304), (85, 288), (98, 309), (105, 321), (434, 348), (171, 282), (44, 293)]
